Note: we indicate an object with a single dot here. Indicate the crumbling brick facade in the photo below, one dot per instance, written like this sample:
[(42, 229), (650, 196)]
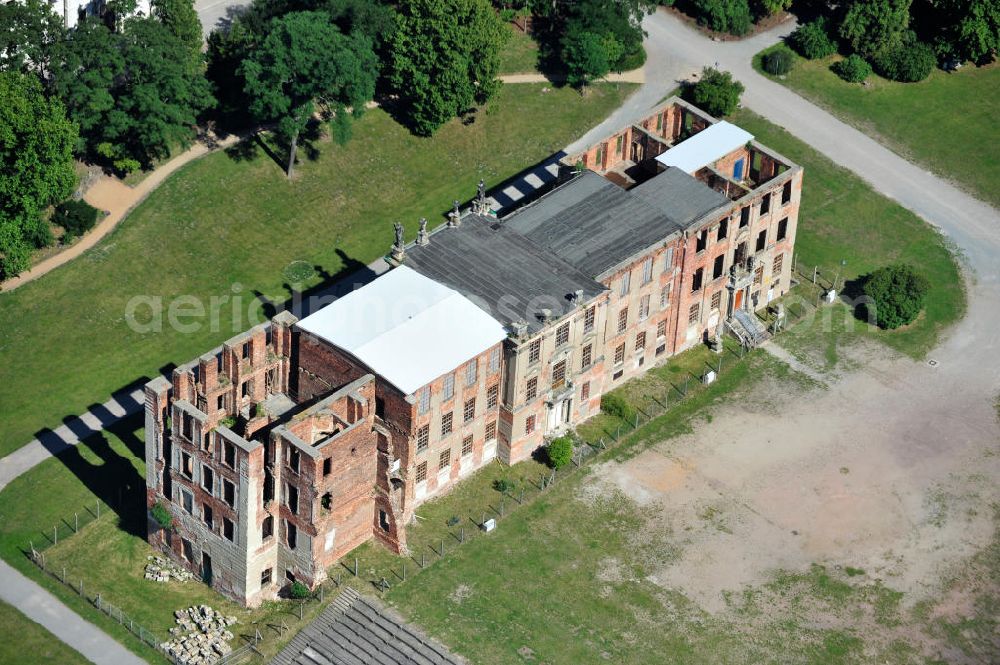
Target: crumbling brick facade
[(279, 452)]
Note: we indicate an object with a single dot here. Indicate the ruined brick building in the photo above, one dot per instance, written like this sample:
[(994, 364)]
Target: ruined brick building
[(295, 442)]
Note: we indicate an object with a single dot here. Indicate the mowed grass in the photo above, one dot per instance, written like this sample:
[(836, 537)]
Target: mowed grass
[(227, 227), (27, 642), (842, 218), (947, 122), (521, 54)]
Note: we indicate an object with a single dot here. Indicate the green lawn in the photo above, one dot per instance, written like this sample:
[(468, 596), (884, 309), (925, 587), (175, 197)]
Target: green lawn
[(841, 218), (521, 54), (64, 340), (27, 642), (948, 121)]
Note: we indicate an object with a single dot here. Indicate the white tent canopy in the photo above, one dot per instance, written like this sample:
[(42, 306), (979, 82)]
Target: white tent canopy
[(705, 147), (407, 328)]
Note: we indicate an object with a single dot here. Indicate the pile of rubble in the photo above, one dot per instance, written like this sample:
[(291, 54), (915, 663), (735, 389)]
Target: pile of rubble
[(201, 636), (160, 569)]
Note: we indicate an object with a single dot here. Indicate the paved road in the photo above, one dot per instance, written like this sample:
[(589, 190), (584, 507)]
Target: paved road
[(216, 13), (42, 607)]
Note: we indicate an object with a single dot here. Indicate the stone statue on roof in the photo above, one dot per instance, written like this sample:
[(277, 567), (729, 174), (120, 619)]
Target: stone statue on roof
[(399, 235)]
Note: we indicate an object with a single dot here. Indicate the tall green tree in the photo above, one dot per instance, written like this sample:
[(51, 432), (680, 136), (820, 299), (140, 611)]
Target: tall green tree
[(181, 20), (28, 30), (86, 68), (36, 166), (305, 58), (162, 94), (962, 29), (589, 56), (875, 27), (445, 59)]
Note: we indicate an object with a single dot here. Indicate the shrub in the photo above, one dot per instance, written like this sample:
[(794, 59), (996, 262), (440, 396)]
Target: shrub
[(633, 60), (162, 515), (559, 452), (853, 68), (909, 62), (897, 294), (777, 62), (77, 217), (616, 405), (813, 39), (298, 590), (732, 16), (716, 92), (503, 485)]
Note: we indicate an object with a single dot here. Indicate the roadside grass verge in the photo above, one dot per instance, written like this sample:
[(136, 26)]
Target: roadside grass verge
[(842, 218), (947, 121), (228, 227), (26, 639)]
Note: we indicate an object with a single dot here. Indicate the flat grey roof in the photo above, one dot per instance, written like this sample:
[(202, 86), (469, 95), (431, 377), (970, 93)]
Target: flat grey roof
[(594, 224), (503, 272), (681, 197)]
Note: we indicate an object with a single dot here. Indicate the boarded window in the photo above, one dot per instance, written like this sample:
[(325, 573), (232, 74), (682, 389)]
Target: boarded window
[(559, 375), (694, 313), (444, 459), (588, 319), (467, 446), (640, 341), (661, 328), (562, 334), (491, 430), (265, 576), (717, 300), (758, 275), (423, 438), (421, 472), (622, 320), (529, 424), (534, 351), (585, 391), (492, 396), (531, 390), (587, 356), (446, 424), (779, 261), (469, 412), (620, 354)]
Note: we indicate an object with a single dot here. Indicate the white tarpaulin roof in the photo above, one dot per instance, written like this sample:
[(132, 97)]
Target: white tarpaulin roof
[(708, 145), (406, 327)]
